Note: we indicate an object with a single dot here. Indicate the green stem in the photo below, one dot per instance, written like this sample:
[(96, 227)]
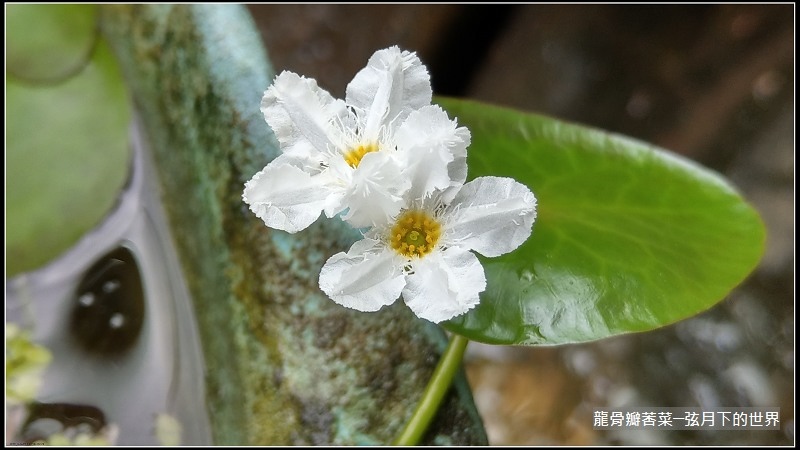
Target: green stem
[(434, 393)]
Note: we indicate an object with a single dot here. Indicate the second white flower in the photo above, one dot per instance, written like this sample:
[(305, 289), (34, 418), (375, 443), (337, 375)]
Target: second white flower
[(425, 252)]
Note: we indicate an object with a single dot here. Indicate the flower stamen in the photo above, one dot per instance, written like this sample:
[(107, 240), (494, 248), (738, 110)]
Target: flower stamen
[(415, 234), (353, 157)]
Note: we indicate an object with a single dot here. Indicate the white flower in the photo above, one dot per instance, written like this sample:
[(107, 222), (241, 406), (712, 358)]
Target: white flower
[(361, 155), (424, 253)]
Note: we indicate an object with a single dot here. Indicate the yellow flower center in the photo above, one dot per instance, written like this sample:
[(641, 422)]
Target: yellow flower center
[(353, 157), (415, 234)]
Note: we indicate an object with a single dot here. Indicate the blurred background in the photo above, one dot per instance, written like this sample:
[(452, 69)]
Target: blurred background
[(714, 83)]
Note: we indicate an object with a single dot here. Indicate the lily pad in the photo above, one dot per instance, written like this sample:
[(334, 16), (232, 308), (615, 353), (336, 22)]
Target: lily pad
[(628, 237), (67, 156)]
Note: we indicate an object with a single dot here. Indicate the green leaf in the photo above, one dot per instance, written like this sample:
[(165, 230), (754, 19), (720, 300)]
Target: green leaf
[(67, 156), (628, 237)]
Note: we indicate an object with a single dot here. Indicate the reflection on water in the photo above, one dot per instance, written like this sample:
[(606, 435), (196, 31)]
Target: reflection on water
[(117, 317)]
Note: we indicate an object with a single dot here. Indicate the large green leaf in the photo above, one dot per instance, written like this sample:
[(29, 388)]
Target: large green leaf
[(66, 155), (628, 237)]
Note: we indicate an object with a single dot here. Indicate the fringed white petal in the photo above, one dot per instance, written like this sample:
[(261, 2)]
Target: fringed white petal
[(490, 215), (433, 151), (444, 284), (393, 84), (303, 116), (365, 278), (376, 190), (285, 197)]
